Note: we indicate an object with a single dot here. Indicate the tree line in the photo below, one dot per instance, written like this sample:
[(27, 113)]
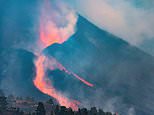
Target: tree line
[(55, 110)]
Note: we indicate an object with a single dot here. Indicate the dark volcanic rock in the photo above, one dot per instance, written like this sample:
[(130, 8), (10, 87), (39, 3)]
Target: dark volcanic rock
[(121, 73)]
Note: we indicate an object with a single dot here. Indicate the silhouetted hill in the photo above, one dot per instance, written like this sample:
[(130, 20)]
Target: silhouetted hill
[(122, 74)]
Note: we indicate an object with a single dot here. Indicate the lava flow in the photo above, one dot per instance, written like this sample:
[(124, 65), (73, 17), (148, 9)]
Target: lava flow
[(45, 86), (50, 33), (61, 67)]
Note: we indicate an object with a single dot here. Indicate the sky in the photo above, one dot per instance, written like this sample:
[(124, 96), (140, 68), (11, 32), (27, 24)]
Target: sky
[(131, 20)]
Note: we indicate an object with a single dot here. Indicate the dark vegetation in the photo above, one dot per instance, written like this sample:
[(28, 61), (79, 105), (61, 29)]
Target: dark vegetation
[(41, 108)]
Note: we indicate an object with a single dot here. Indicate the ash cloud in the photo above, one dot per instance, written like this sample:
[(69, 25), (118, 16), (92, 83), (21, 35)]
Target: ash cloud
[(57, 23), (132, 20)]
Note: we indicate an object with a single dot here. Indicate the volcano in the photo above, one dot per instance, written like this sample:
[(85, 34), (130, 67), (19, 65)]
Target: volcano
[(121, 73)]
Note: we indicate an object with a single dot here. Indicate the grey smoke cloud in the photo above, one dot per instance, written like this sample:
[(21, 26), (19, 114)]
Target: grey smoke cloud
[(132, 20), (56, 23)]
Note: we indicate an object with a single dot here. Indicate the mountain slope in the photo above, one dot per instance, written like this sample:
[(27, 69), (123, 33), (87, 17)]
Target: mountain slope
[(17, 71), (122, 74)]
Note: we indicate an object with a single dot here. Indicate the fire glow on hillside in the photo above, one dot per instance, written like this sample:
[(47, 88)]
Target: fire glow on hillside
[(50, 33)]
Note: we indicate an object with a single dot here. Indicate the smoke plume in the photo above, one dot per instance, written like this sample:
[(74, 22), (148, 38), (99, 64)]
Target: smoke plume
[(52, 30), (57, 23), (130, 20)]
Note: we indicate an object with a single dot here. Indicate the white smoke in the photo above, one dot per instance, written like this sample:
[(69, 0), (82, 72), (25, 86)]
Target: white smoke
[(57, 22), (120, 17)]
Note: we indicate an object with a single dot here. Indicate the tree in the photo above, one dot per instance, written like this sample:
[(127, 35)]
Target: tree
[(52, 112), (63, 110), (93, 111), (21, 113), (84, 111), (18, 111), (40, 109), (33, 113), (70, 111), (108, 113), (101, 112), (77, 112), (50, 101), (3, 103), (57, 109)]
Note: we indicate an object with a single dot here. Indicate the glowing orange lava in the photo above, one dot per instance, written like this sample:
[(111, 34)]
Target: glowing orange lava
[(61, 67), (45, 86), (50, 34)]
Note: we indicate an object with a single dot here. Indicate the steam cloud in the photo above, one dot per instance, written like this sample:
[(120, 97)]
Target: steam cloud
[(133, 23), (57, 23), (52, 30)]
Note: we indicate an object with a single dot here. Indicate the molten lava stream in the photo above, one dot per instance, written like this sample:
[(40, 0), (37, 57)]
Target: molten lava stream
[(61, 67), (50, 33), (45, 86)]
